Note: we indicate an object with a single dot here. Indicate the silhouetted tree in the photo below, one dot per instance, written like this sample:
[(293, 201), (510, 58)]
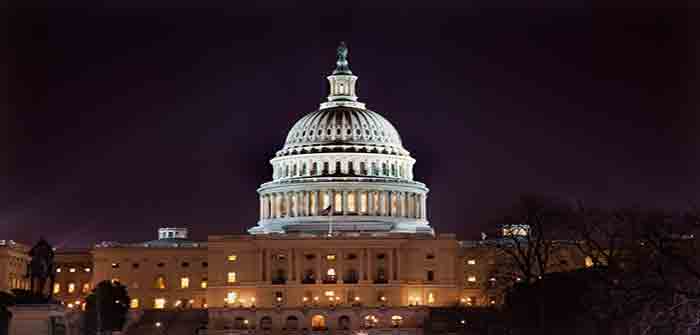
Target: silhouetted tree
[(106, 308)]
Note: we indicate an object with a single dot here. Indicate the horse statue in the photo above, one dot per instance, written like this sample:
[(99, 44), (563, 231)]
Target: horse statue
[(41, 268)]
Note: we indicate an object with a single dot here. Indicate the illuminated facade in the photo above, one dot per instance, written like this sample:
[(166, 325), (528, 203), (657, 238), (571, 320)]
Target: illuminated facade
[(343, 240)]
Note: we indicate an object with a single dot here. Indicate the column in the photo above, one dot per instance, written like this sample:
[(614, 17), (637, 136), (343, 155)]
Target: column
[(370, 262), (262, 207), (398, 264), (268, 266), (345, 202), (382, 203), (287, 201), (390, 265), (318, 267), (261, 272), (370, 203), (317, 198), (331, 197), (298, 259), (340, 269), (362, 264), (358, 203), (424, 211), (290, 270), (419, 207)]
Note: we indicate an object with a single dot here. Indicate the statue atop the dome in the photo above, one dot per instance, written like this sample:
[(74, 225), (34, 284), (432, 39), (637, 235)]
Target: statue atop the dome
[(342, 66)]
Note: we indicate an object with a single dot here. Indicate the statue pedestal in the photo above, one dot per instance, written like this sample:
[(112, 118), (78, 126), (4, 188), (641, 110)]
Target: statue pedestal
[(39, 319)]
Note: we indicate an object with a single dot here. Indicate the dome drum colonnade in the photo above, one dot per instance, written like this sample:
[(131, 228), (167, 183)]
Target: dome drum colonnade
[(343, 168)]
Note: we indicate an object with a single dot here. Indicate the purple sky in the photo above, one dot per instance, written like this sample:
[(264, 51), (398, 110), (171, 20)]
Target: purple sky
[(126, 119)]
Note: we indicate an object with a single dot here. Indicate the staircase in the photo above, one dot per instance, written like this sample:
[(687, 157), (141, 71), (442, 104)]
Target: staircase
[(158, 322)]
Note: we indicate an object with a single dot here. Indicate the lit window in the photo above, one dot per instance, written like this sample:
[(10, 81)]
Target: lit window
[(134, 303), (589, 261), (471, 262), (371, 321), (159, 303), (338, 206), (71, 270), (318, 322), (160, 283), (87, 269), (431, 298), (71, 287), (329, 293), (231, 277), (351, 202), (203, 284), (56, 288), (396, 320), (330, 272), (231, 297), (363, 202), (471, 279), (232, 258), (115, 280), (115, 265), (86, 287), (184, 282), (58, 270), (330, 257)]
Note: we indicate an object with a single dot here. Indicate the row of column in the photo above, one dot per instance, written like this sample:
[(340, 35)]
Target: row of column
[(398, 169), (366, 271), (342, 202)]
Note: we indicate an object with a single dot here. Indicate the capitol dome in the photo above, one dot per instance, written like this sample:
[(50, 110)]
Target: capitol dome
[(343, 129), (343, 168)]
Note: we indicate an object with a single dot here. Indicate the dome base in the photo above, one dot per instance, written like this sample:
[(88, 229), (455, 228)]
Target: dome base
[(326, 224)]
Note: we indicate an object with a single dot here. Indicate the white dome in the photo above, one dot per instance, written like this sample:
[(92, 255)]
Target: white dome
[(343, 129)]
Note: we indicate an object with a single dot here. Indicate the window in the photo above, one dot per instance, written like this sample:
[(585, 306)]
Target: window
[(430, 274), (71, 287), (588, 261), (396, 320), (231, 297), (159, 303), (184, 282), (115, 280), (87, 269), (351, 202), (134, 303), (471, 262), (232, 258), (71, 270), (371, 321), (471, 279), (338, 205), (115, 265), (203, 284), (231, 277), (351, 257), (292, 323), (135, 265), (279, 297), (344, 322), (86, 287), (160, 282), (318, 322), (430, 256), (160, 265), (58, 270), (56, 288), (185, 264), (431, 298), (330, 257)]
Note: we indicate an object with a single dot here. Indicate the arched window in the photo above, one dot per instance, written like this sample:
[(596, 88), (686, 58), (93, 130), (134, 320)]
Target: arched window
[(363, 168), (292, 323), (266, 323), (240, 323), (314, 168), (160, 282), (396, 321), (351, 168), (303, 169), (344, 322), (318, 322), (326, 168), (294, 170), (286, 170), (371, 321), (385, 171)]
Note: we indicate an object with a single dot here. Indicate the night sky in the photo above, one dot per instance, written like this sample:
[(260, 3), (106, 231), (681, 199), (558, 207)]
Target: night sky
[(123, 119)]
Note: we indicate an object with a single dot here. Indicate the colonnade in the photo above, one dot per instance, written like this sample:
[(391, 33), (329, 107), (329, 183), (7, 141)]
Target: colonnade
[(342, 202), (397, 168)]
